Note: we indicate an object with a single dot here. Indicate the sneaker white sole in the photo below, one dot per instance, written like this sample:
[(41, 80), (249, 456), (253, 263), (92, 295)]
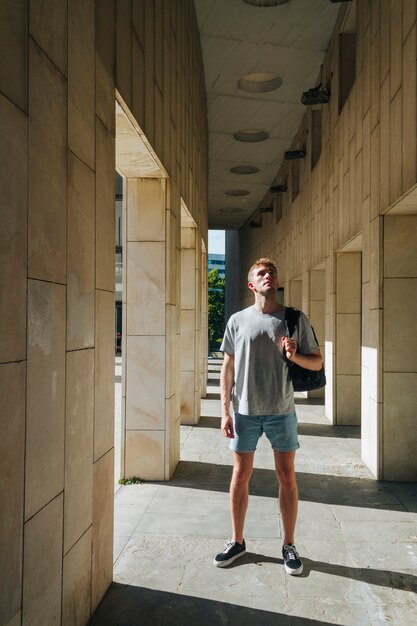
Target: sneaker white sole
[(229, 561), (293, 572)]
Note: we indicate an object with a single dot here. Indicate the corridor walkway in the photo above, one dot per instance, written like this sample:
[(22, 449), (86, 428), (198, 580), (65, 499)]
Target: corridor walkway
[(357, 537)]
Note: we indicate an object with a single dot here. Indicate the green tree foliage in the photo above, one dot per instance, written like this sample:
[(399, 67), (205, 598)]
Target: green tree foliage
[(215, 309)]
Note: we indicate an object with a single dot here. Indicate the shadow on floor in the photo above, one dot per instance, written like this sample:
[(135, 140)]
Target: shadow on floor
[(125, 605), (320, 488), (212, 395), (328, 430), (215, 395), (309, 401), (209, 421), (305, 429), (382, 578)]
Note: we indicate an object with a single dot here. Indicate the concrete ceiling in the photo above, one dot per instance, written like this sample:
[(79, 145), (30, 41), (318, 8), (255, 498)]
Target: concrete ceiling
[(288, 40)]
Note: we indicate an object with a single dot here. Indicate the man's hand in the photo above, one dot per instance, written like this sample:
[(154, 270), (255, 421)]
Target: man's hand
[(290, 347), (312, 361), (227, 426), (226, 385)]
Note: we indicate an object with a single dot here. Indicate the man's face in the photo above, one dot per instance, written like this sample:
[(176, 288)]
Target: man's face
[(264, 280)]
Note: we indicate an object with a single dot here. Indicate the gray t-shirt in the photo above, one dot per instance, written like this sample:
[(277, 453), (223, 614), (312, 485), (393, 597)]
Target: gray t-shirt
[(261, 385)]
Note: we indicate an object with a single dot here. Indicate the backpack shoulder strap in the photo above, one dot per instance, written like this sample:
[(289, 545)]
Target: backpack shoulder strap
[(292, 316)]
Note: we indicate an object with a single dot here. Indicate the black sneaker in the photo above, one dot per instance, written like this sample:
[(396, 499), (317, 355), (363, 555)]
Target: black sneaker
[(292, 562), (232, 550)]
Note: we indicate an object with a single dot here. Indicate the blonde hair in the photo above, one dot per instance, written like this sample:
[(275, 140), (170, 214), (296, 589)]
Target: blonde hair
[(263, 261)]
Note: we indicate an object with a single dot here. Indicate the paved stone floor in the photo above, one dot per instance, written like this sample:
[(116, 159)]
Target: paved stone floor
[(357, 537)]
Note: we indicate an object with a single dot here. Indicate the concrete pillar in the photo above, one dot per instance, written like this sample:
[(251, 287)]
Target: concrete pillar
[(204, 322), (372, 398), (190, 325), (329, 349), (151, 447), (399, 364), (198, 329), (317, 315), (348, 337)]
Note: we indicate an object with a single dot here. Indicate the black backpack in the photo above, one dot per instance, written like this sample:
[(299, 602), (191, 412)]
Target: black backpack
[(301, 378)]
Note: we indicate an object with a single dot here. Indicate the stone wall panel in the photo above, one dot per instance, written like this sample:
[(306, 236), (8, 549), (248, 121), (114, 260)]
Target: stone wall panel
[(12, 473), (13, 232), (48, 26), (102, 531), (105, 37), (45, 395), (81, 257), (76, 583), (145, 383), (81, 80), (42, 572), (13, 51), (104, 374), (105, 207), (78, 445), (47, 169)]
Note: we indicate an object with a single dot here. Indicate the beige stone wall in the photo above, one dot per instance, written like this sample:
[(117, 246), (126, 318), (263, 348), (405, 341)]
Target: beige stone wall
[(60, 64), (57, 288), (159, 75), (368, 163)]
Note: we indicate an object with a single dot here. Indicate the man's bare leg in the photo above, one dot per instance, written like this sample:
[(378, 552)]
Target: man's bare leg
[(239, 491), (288, 492)]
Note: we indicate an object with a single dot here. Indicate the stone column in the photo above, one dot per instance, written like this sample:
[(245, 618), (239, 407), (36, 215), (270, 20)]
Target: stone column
[(329, 350), (198, 329), (190, 325), (399, 365), (348, 337), (204, 322), (317, 315), (151, 441), (372, 406)]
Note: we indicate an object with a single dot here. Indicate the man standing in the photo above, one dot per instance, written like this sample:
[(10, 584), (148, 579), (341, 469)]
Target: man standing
[(255, 368)]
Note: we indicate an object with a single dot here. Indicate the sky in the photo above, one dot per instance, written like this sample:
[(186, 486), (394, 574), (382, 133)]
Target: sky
[(216, 241)]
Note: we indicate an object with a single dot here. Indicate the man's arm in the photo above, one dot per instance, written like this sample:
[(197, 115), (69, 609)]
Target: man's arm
[(312, 361), (227, 377)]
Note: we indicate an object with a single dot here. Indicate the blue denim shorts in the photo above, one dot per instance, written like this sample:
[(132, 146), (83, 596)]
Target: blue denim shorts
[(281, 431)]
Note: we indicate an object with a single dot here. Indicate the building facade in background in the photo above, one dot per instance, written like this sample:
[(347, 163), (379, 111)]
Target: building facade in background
[(216, 262)]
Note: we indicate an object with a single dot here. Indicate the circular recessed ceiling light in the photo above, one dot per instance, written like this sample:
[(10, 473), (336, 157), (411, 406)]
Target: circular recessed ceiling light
[(237, 192), (251, 135), (244, 169), (260, 82), (265, 3), (231, 210)]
